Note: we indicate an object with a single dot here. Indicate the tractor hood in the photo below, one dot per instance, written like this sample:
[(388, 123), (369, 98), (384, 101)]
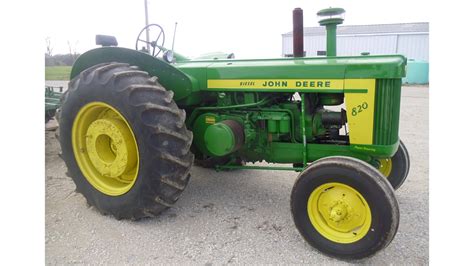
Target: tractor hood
[(355, 67)]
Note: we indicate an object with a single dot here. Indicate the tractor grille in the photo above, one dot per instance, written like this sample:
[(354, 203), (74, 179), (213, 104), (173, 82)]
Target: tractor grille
[(387, 111)]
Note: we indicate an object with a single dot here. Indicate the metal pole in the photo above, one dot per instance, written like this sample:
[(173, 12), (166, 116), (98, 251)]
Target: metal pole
[(147, 30), (174, 35), (303, 130)]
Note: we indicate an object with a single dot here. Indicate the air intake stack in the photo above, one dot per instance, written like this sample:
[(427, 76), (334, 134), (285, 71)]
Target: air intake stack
[(331, 17)]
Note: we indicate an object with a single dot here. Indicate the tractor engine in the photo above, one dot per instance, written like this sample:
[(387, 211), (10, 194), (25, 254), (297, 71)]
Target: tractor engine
[(246, 132)]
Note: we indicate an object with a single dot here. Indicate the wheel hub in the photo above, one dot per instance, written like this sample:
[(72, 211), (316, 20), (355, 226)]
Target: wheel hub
[(105, 148), (339, 212), (109, 148)]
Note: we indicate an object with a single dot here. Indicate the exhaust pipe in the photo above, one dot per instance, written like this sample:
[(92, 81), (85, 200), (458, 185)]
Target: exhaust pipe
[(298, 44)]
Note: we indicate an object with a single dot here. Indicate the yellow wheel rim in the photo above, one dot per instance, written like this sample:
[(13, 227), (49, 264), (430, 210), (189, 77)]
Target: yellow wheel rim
[(105, 148), (339, 213), (385, 167)]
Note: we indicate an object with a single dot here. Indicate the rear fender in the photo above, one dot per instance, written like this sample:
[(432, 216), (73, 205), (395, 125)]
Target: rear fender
[(170, 77)]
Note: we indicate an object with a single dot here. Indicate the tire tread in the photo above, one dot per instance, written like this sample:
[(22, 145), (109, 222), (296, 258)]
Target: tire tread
[(166, 187)]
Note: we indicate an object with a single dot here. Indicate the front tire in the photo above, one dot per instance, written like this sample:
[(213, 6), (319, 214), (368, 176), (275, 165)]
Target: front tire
[(124, 141), (396, 169), (344, 208)]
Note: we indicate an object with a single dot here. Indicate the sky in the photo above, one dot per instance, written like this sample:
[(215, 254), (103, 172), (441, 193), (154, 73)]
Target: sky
[(249, 29)]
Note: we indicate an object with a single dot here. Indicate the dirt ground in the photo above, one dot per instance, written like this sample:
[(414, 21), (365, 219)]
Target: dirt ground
[(233, 217)]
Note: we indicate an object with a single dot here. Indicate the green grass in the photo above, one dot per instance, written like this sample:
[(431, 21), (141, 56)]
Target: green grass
[(57, 72)]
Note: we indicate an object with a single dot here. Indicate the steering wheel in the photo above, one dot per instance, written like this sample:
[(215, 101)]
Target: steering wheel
[(157, 44)]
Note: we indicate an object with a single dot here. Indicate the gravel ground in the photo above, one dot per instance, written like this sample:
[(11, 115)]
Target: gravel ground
[(237, 217)]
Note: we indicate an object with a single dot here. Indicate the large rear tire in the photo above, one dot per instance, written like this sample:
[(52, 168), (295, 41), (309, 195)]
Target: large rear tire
[(124, 141), (344, 208)]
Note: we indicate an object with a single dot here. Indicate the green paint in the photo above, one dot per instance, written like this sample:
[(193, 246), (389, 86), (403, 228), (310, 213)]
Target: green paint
[(254, 167), (52, 97), (199, 128), (359, 109), (387, 111), (332, 11), (303, 130), (355, 91), (284, 125), (280, 152), (170, 77), (331, 17), (331, 47), (377, 151), (300, 68), (277, 128), (219, 139), (272, 126)]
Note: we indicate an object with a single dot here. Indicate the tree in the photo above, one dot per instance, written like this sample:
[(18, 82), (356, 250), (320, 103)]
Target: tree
[(73, 50), (49, 46)]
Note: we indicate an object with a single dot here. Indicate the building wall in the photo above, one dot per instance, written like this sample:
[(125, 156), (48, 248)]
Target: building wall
[(354, 45), (413, 46)]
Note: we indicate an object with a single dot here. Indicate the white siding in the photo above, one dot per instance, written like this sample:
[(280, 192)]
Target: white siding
[(375, 45), (287, 45), (312, 44), (414, 46)]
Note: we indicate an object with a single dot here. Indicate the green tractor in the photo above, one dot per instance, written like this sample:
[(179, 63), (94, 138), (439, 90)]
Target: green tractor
[(132, 124), (52, 99)]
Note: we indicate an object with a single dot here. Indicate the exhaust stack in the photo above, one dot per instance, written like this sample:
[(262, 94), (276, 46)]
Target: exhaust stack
[(298, 45), (331, 17)]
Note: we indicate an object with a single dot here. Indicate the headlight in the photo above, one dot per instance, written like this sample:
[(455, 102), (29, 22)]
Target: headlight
[(168, 56)]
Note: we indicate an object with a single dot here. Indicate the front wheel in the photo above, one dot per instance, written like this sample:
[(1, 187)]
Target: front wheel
[(396, 169), (344, 208)]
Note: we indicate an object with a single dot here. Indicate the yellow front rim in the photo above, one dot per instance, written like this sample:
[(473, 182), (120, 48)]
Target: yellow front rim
[(339, 213), (105, 148), (385, 167)]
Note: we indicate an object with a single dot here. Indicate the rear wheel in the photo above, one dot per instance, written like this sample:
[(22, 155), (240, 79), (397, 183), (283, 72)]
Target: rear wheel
[(344, 207), (124, 141), (396, 169)]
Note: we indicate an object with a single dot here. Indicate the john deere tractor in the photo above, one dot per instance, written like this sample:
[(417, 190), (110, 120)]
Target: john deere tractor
[(132, 123)]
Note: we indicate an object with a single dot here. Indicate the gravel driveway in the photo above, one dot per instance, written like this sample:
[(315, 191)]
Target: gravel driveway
[(231, 217)]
